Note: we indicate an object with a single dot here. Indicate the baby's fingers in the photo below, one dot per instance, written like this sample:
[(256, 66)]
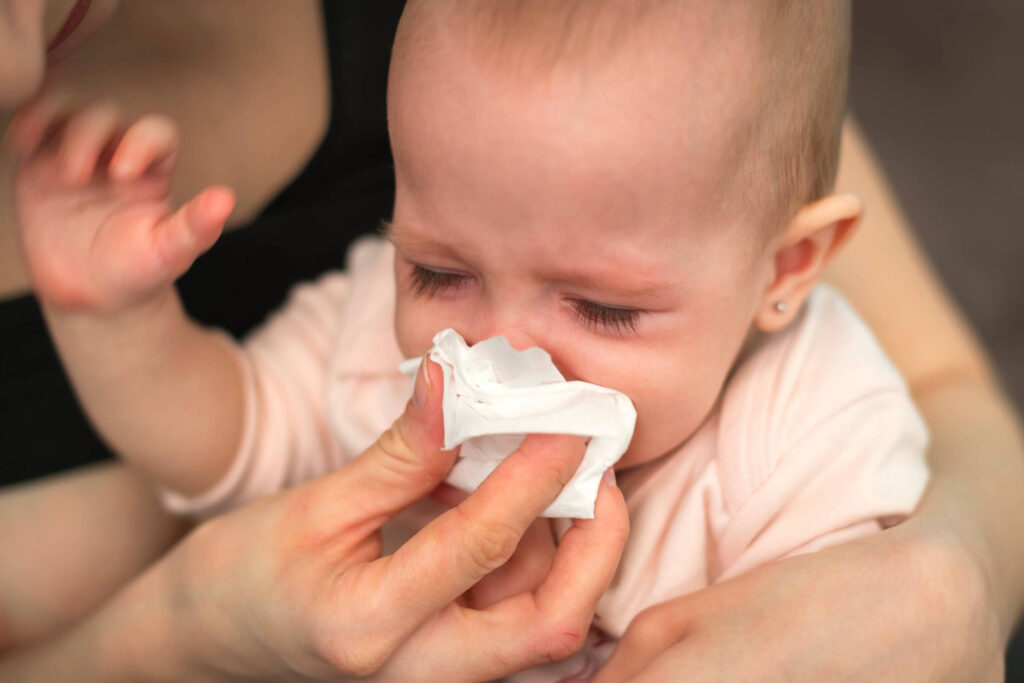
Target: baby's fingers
[(150, 143), (192, 229), (85, 137), (34, 123)]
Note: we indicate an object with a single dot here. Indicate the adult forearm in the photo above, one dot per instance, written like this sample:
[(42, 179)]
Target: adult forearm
[(79, 537), (977, 460), (164, 392), (96, 649), (977, 452)]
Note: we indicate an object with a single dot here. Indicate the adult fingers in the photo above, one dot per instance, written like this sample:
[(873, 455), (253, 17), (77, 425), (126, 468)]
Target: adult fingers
[(523, 573), (563, 606), (587, 557), (527, 629), (466, 543), (402, 466)]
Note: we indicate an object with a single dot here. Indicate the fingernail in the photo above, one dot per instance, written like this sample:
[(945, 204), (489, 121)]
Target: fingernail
[(421, 392), (609, 476)]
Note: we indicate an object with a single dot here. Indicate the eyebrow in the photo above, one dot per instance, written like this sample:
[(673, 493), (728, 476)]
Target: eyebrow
[(403, 238)]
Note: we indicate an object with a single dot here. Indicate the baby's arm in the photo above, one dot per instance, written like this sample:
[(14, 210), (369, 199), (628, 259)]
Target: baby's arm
[(103, 248)]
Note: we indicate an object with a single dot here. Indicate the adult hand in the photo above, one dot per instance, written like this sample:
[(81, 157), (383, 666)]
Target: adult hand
[(293, 586), (906, 604)]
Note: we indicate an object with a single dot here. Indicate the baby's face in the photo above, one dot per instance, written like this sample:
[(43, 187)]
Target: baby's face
[(575, 216)]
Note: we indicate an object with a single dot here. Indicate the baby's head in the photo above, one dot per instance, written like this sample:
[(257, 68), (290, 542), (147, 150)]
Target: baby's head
[(632, 185)]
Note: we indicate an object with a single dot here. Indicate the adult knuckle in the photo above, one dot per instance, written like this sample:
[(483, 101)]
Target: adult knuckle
[(653, 629), (563, 640), (357, 645), (394, 445), (491, 542), (354, 654)]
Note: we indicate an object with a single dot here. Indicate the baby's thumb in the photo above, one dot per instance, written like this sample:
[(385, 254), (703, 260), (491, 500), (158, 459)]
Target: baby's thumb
[(407, 462), (182, 236)]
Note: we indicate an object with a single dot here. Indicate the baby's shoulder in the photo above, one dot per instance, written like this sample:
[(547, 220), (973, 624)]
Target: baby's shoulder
[(822, 374), (337, 299), (825, 359)]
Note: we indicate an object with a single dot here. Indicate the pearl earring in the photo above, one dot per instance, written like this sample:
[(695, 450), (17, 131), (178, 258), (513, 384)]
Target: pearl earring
[(780, 306)]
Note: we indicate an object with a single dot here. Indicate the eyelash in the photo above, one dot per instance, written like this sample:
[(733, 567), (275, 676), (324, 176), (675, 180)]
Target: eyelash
[(432, 282), (618, 320), (428, 282)]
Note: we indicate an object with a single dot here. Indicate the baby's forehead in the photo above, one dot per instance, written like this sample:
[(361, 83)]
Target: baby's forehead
[(683, 71), (706, 45), (755, 86)]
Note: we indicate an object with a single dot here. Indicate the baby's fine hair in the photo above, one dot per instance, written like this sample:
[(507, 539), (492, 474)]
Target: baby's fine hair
[(793, 54)]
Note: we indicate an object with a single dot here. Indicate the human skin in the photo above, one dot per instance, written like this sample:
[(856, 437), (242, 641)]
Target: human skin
[(604, 244), (28, 28), (946, 585), (77, 535), (221, 93), (313, 599), (969, 523)]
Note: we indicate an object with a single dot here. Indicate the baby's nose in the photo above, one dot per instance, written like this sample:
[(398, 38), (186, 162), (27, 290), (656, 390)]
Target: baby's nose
[(516, 338), (515, 330)]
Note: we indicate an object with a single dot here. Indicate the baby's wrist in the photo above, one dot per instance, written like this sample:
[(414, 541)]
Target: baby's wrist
[(131, 328), (140, 306)]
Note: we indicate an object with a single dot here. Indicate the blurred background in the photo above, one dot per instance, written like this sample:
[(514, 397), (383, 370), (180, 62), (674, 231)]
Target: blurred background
[(938, 87)]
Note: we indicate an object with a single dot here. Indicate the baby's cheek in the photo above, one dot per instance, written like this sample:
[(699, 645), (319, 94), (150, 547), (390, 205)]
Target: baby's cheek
[(671, 406), (413, 330), (418, 319)]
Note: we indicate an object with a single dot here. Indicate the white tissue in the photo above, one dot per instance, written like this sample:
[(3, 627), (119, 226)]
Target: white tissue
[(494, 396)]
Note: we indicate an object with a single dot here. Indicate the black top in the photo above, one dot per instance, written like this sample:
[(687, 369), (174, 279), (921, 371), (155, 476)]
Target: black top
[(344, 191)]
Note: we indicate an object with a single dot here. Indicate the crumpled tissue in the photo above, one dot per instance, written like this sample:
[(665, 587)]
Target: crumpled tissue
[(494, 396)]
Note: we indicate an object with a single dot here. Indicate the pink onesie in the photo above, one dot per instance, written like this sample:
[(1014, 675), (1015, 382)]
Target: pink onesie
[(815, 440)]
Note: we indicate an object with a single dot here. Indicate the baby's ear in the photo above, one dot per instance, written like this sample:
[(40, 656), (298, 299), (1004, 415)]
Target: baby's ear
[(810, 241)]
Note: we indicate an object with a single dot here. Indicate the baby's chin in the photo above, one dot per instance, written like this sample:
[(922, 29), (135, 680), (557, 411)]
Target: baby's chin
[(635, 457), (643, 451)]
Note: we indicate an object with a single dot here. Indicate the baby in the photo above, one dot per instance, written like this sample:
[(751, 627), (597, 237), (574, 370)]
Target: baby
[(640, 187)]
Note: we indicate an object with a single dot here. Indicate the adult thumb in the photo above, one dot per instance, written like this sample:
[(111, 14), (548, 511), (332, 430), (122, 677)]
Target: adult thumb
[(407, 462)]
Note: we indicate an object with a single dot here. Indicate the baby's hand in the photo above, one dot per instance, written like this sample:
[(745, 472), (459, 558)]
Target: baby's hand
[(97, 229)]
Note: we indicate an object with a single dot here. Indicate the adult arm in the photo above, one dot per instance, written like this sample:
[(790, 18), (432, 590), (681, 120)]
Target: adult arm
[(932, 599), (293, 587), (71, 542), (977, 451)]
